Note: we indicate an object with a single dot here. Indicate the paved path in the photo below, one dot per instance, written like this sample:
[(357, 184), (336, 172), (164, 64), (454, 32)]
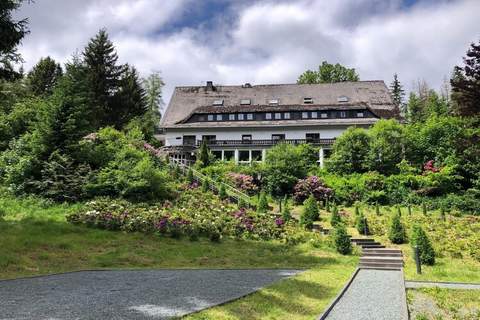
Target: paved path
[(152, 294), (446, 285), (373, 294)]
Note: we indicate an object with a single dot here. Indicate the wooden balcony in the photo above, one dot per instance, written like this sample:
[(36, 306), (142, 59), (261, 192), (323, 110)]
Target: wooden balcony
[(266, 142)]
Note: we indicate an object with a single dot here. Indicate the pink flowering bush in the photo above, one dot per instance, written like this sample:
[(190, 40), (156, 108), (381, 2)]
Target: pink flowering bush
[(242, 181), (193, 214), (312, 185), (429, 166)]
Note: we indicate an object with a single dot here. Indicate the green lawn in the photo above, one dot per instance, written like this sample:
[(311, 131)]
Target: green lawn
[(36, 239)]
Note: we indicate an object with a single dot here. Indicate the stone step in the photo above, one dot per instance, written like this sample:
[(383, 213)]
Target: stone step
[(362, 239), (376, 265), (381, 250), (372, 246), (381, 267), (368, 243), (381, 254), (381, 260)]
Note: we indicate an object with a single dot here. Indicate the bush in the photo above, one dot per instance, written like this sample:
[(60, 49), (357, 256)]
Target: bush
[(190, 177), (350, 152), (206, 185), (396, 232), (222, 193), (286, 212), (311, 186), (335, 219), (310, 212), (243, 182), (420, 239), (262, 203), (362, 225), (342, 240)]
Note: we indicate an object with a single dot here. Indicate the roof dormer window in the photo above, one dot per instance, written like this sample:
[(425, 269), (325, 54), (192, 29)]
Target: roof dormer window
[(307, 100), (245, 102), (218, 102), (273, 101), (342, 99)]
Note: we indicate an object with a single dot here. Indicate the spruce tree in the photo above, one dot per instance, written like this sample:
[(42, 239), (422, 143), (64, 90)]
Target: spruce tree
[(204, 156), (44, 76), (396, 233), (335, 219), (415, 109), (262, 206), (310, 212), (398, 94), (420, 239), (286, 212), (342, 240), (362, 225), (104, 75), (222, 193)]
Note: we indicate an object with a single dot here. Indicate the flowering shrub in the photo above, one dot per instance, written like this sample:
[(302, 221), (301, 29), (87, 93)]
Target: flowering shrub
[(193, 214), (242, 181), (429, 166), (312, 185)]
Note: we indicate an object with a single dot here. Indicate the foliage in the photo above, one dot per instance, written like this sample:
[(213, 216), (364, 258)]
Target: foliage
[(286, 211), (397, 91), (466, 84), (396, 232), (386, 146), (420, 239), (310, 212), (242, 181), (44, 76), (203, 155), (262, 206), (328, 73), (342, 240), (361, 223), (350, 152), (222, 193), (335, 219), (312, 185), (153, 85)]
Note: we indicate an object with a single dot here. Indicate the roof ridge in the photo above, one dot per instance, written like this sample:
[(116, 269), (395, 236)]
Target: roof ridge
[(283, 84)]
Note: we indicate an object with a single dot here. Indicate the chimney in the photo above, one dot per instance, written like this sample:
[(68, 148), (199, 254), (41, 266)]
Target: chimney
[(209, 86)]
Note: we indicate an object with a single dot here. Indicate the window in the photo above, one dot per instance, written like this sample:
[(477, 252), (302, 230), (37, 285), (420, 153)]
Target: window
[(249, 116), (307, 100), (324, 115), (278, 116), (231, 117), (256, 155), (244, 156), (286, 115), (312, 137), (201, 118), (343, 114), (268, 116), (241, 116), (273, 101), (210, 117), (219, 117), (304, 115), (228, 155), (342, 99), (189, 140), (246, 138), (278, 137), (218, 102), (209, 138), (360, 114), (245, 101), (314, 114), (217, 155)]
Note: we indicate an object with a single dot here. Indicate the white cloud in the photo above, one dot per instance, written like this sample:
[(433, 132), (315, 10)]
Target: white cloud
[(263, 41)]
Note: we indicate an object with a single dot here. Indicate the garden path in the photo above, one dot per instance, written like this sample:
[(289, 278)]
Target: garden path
[(128, 294)]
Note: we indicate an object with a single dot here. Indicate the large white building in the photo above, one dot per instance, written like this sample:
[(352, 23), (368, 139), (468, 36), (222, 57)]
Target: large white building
[(240, 122)]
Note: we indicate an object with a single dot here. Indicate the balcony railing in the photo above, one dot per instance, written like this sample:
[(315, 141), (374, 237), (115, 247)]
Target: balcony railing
[(263, 142)]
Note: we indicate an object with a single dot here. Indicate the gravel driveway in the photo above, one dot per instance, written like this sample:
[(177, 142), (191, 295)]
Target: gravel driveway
[(152, 294)]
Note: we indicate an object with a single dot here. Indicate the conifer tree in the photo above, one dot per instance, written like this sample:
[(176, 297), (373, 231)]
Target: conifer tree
[(335, 219), (377, 209), (398, 94), (286, 212), (205, 185), (204, 156), (420, 239), (424, 209), (310, 212), (362, 225), (342, 240), (190, 177), (396, 233), (44, 76), (415, 109), (222, 193), (262, 203)]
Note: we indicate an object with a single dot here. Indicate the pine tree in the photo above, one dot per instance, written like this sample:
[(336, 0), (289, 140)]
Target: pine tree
[(420, 239), (342, 240), (396, 233), (398, 94), (204, 156), (415, 109), (466, 84), (286, 212), (335, 219), (44, 76), (262, 203), (310, 212), (190, 177), (222, 193), (11, 34), (104, 76)]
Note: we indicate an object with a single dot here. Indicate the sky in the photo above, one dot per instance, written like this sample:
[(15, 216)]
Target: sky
[(260, 41)]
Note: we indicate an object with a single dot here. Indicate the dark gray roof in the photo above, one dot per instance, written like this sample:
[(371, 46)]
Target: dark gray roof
[(185, 101)]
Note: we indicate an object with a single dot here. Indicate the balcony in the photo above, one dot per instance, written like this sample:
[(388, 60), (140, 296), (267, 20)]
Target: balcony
[(266, 142)]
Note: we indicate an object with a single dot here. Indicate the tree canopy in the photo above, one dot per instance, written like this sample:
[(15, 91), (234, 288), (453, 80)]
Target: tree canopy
[(328, 73)]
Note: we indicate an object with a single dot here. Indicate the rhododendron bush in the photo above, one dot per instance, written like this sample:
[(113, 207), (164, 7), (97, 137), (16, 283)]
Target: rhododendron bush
[(242, 181), (194, 214), (312, 185)]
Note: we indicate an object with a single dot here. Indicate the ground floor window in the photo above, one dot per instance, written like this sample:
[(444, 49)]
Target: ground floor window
[(244, 155), (217, 155), (228, 155), (256, 155)]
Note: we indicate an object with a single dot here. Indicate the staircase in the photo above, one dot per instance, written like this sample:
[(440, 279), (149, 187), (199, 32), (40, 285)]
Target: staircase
[(376, 256)]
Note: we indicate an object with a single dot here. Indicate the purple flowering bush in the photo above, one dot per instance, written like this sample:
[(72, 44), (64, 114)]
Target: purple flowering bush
[(312, 185), (193, 214), (242, 181)]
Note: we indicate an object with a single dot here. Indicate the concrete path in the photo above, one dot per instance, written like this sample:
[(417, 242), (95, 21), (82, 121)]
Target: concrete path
[(446, 285), (373, 294), (152, 294)]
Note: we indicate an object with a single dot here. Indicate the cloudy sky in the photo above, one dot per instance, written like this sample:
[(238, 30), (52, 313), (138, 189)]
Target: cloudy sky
[(256, 41)]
